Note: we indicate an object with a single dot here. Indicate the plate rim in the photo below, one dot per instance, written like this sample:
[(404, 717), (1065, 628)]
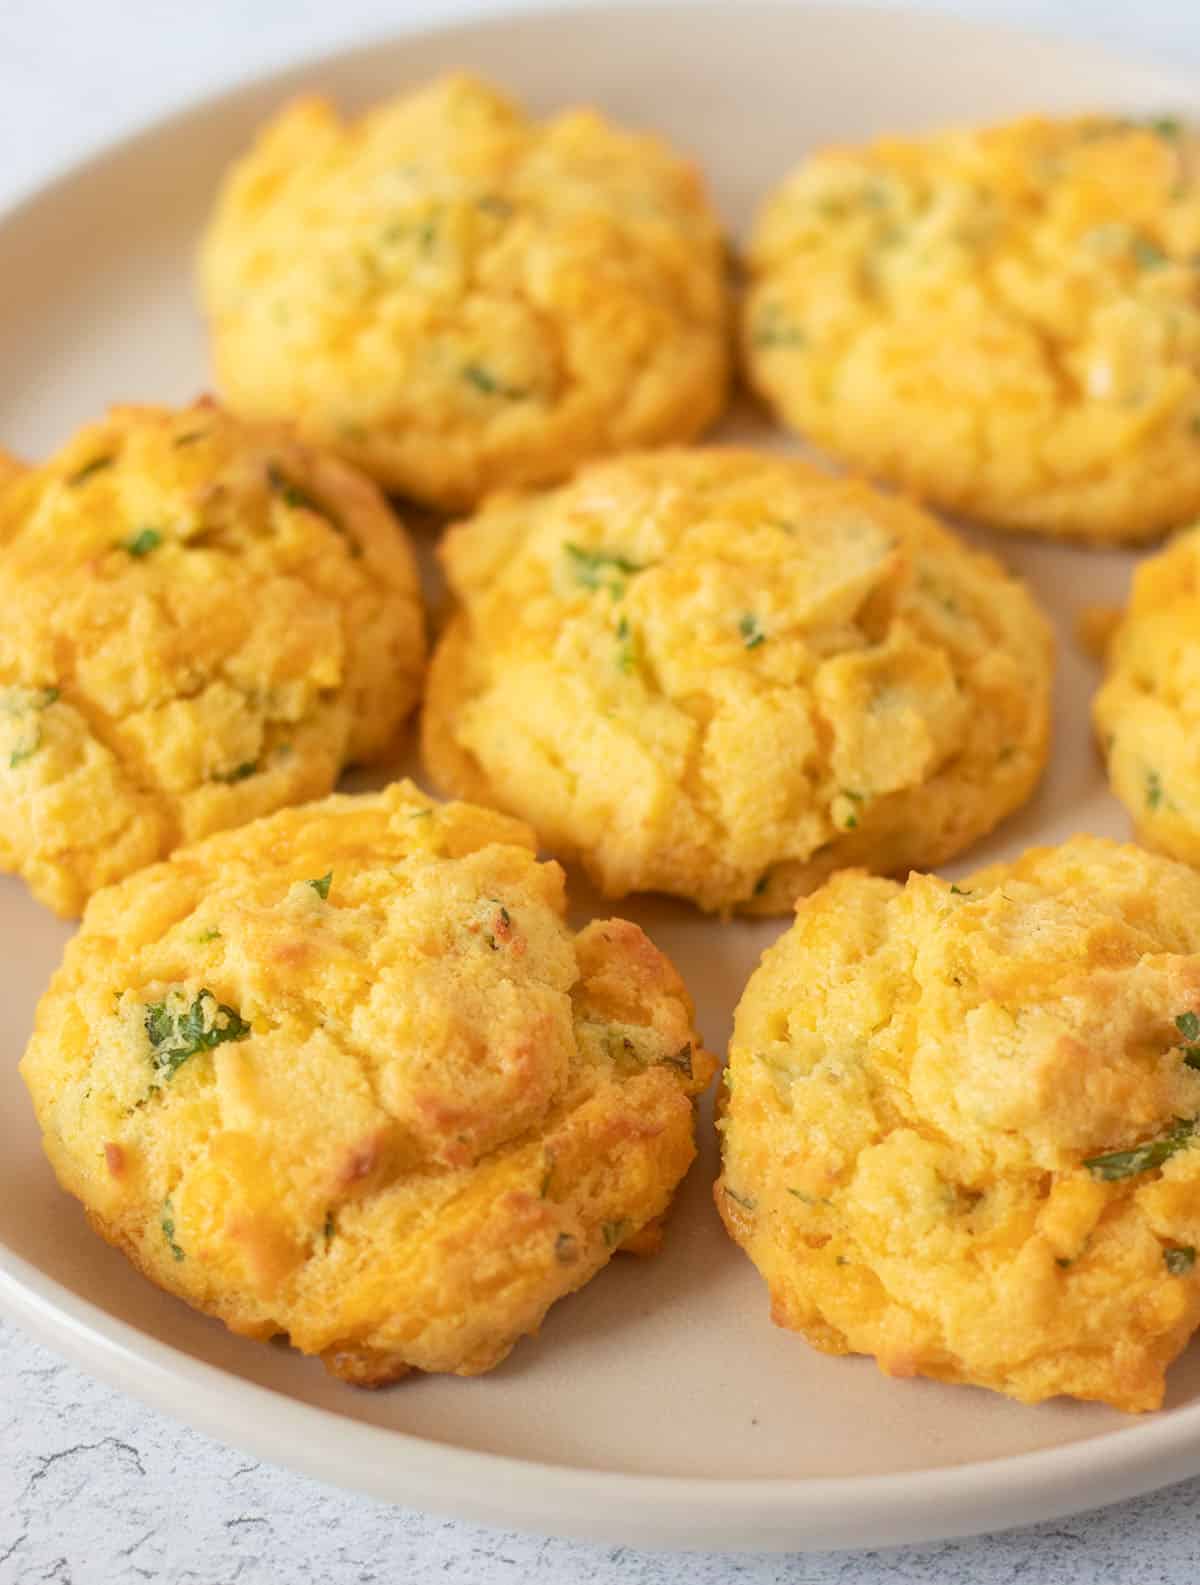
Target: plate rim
[(676, 1512)]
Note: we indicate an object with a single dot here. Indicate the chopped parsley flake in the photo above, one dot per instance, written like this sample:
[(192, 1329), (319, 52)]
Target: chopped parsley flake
[(190, 437), (774, 329), (614, 1232), (681, 1059), (751, 630), (177, 1031), (206, 936), (295, 496), (1128, 1163), (566, 1249), (168, 1228), (746, 1202), (89, 470), (25, 750), (484, 380), (957, 891), (143, 542), (1154, 789), (1179, 1261), (626, 649), (321, 885), (600, 569), (247, 768), (1165, 126), (1188, 1025), (1148, 255)]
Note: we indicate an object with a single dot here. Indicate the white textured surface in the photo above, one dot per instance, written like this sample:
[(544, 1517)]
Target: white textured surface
[(94, 1489)]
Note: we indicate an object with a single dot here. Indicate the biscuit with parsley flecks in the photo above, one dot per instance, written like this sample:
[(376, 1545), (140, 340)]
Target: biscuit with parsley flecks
[(1005, 321), (457, 297), (724, 675), (204, 620), (1147, 711), (346, 1074), (962, 1126)]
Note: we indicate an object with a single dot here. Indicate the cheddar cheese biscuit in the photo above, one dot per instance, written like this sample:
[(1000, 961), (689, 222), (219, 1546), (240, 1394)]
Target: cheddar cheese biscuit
[(345, 1073), (961, 1132), (204, 621)]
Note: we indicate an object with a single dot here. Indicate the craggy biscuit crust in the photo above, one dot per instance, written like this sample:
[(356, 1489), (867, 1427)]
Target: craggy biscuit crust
[(204, 620), (1006, 321), (345, 1073), (457, 297), (960, 1128), (724, 675)]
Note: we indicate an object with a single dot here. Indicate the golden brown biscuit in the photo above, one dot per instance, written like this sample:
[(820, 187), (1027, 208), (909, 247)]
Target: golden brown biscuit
[(345, 1073), (725, 675), (203, 621), (961, 1131), (1147, 713), (1006, 321), (457, 297)]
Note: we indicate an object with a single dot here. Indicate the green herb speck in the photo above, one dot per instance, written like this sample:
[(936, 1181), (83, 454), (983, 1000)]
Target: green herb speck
[(206, 936), (613, 1232), (600, 569), (566, 1249), (626, 649), (1154, 789), (168, 1228), (774, 329), (322, 884), (681, 1059), (1188, 1025), (1148, 255), (484, 380), (1165, 126), (330, 1226), (751, 630), (1179, 1261), (189, 437), (1117, 1164), (746, 1201), (143, 542), (957, 891), (242, 772), (89, 470), (177, 1030), (295, 496), (25, 750)]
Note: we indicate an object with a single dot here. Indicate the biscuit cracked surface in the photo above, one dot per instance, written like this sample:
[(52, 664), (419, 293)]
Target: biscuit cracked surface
[(724, 675), (204, 620), (345, 1074), (1147, 712), (1006, 321), (961, 1126), (457, 297)]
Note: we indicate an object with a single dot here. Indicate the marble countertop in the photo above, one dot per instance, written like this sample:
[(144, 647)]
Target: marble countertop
[(94, 1488)]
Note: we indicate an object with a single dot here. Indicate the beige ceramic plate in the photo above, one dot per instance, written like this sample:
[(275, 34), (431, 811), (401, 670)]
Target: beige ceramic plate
[(659, 1406)]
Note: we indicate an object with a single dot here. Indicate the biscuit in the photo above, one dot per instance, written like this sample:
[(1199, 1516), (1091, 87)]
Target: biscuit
[(345, 1073), (724, 675), (457, 297), (204, 621), (1004, 321), (961, 1126), (1147, 712)]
